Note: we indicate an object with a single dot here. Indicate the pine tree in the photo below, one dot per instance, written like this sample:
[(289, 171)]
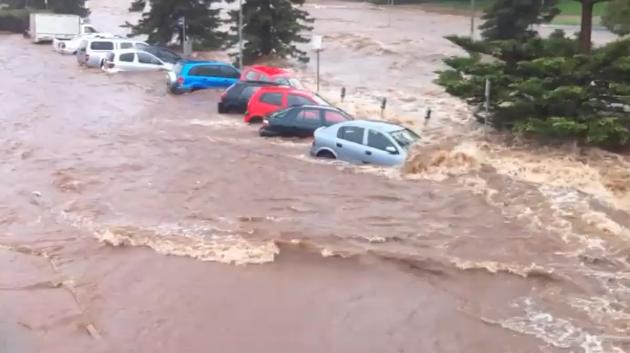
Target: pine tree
[(511, 19), (160, 23), (271, 28), (617, 17)]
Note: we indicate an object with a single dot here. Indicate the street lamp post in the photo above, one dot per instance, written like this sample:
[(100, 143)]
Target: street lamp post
[(240, 34)]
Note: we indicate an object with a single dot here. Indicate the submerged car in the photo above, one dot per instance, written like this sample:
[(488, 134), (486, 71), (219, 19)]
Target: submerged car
[(364, 141), (134, 60), (92, 51), (302, 121), (271, 74), (193, 75), (236, 97), (269, 100)]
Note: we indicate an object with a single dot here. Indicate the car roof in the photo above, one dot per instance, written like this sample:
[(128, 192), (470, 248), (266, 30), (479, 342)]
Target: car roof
[(115, 39), (374, 124), (203, 62), (259, 83), (285, 89), (270, 70), (315, 106)]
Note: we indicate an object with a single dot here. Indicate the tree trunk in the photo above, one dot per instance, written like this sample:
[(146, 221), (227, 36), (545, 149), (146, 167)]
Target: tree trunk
[(586, 27)]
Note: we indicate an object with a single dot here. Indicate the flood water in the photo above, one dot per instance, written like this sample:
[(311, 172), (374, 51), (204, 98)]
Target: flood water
[(136, 221)]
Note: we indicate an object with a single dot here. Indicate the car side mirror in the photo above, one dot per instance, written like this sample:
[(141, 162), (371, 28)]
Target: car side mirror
[(391, 150)]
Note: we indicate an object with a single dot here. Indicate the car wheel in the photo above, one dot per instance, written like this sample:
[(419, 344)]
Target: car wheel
[(267, 133), (326, 154), (176, 91), (255, 120)]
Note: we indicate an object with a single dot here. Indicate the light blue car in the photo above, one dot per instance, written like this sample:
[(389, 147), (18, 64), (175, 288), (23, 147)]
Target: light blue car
[(364, 142)]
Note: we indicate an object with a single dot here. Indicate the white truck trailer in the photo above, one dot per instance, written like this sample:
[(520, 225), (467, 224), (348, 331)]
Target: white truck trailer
[(44, 27)]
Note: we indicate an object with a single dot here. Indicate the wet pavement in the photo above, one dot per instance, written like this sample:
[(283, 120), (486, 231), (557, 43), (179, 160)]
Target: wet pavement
[(136, 221)]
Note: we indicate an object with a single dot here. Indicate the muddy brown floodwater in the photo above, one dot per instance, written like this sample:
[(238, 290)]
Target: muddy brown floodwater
[(136, 221)]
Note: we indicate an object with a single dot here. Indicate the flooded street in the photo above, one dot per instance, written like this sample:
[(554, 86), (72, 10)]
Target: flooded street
[(136, 221)]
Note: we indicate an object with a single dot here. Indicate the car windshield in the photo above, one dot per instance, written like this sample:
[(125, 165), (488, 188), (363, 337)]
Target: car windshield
[(295, 83), (404, 137)]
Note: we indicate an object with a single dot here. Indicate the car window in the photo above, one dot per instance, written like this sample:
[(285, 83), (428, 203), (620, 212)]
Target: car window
[(251, 76), (333, 117), (308, 117), (378, 140), (249, 91), (88, 29), (228, 72), (351, 133), (145, 58), (140, 45), (126, 45), (282, 81), (100, 45), (127, 57), (204, 70), (295, 99), (272, 98)]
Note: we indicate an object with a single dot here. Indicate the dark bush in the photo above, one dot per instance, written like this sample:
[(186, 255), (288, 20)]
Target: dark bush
[(14, 20)]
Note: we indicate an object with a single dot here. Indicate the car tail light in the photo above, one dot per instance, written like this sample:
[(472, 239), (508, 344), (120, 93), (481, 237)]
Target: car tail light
[(180, 80)]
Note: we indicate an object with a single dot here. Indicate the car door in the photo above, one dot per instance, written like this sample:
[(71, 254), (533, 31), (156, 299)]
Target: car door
[(148, 62), (200, 76), (349, 144), (381, 149), (307, 121)]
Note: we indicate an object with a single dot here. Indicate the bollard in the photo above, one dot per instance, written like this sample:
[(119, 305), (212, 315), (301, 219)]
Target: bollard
[(343, 93), (383, 106), (428, 115)]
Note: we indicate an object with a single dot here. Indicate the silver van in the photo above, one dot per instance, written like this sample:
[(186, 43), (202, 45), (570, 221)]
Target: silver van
[(92, 51)]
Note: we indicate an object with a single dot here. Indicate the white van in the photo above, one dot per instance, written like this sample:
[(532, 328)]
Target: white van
[(92, 51)]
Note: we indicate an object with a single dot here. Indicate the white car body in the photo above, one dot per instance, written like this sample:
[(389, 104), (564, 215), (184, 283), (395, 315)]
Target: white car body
[(92, 52), (70, 46), (48, 26), (134, 60)]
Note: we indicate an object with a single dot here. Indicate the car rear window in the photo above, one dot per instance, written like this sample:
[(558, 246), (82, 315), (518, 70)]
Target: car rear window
[(333, 117), (249, 91), (102, 45), (272, 98), (126, 45), (351, 133)]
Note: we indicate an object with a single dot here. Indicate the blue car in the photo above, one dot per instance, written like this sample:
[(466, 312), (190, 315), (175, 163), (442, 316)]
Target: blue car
[(190, 75)]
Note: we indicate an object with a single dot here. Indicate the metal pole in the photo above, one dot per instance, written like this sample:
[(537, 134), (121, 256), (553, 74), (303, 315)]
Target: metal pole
[(240, 34), (486, 107), (389, 14), (184, 35), (317, 70), (472, 18)]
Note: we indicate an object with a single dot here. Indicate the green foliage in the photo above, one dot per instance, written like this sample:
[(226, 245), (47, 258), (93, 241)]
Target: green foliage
[(545, 87), (511, 19), (271, 28), (160, 23), (14, 20), (616, 17)]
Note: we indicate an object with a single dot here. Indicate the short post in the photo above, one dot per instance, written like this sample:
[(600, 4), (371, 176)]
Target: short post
[(427, 117), (317, 46), (240, 34), (343, 93), (383, 106), (486, 106)]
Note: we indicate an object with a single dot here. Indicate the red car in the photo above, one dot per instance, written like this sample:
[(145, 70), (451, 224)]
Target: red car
[(270, 74), (270, 99)]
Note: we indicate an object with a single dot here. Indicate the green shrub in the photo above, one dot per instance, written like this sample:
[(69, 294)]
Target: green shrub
[(14, 20)]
